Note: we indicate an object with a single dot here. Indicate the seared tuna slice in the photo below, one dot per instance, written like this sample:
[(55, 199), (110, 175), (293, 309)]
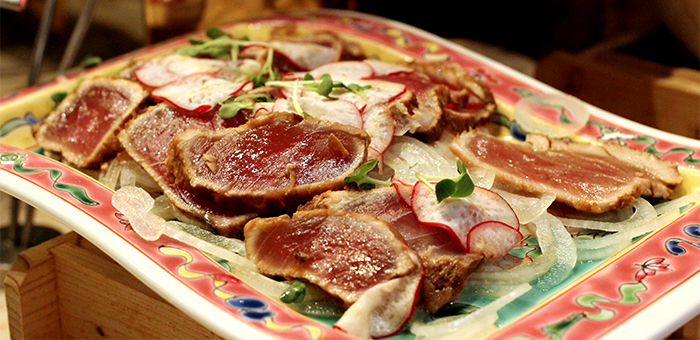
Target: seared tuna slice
[(271, 163), (147, 138), (356, 257), (469, 102), (588, 177), (446, 264), (83, 127)]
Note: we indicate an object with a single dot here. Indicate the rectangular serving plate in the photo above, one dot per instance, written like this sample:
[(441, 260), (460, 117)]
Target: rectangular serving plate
[(632, 294)]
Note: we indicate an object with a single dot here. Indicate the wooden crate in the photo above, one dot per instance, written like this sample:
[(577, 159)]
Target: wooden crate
[(652, 93), (66, 288)]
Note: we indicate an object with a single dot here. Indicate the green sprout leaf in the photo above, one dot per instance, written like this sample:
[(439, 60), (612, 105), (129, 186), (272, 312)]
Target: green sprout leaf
[(359, 90), (90, 61), (460, 186), (214, 33), (323, 86), (295, 293), (59, 96), (361, 178), (230, 107)]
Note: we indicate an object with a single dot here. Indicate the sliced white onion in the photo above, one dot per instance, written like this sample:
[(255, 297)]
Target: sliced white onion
[(482, 177), (602, 247), (677, 203), (643, 213), (127, 172), (553, 266), (474, 325), (165, 209), (408, 156), (527, 208), (136, 204)]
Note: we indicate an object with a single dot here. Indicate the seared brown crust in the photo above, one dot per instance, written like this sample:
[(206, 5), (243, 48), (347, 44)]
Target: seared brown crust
[(446, 271), (146, 138), (338, 241), (425, 118), (184, 164), (445, 276), (456, 101), (463, 89), (133, 95)]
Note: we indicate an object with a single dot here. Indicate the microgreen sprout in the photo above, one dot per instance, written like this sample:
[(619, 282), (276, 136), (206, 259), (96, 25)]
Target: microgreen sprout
[(230, 107), (295, 101), (323, 86), (58, 96), (220, 45), (295, 293), (90, 61), (362, 180), (460, 186)]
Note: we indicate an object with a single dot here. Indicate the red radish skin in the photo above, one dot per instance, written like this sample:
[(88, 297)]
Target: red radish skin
[(199, 92), (460, 215), (404, 190), (162, 71), (380, 126), (492, 239)]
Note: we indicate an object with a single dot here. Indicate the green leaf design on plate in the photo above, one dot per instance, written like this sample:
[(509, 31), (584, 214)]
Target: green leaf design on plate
[(17, 159)]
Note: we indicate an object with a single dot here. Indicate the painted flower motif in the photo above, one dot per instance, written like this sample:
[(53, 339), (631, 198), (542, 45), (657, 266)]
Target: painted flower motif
[(650, 267), (123, 221)]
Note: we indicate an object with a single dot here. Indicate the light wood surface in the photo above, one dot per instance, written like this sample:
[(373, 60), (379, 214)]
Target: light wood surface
[(66, 288)]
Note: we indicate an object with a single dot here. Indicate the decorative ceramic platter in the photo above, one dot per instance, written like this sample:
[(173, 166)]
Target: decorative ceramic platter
[(645, 291)]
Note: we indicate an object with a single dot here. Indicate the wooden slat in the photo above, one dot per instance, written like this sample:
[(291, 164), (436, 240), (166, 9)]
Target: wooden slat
[(651, 93), (112, 303), (32, 302), (67, 288)]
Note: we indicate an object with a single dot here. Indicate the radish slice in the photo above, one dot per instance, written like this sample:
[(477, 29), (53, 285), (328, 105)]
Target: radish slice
[(307, 56), (460, 215), (381, 68), (385, 308), (199, 92), (404, 189), (344, 69), (157, 72), (480, 239), (379, 125), (336, 111), (379, 93)]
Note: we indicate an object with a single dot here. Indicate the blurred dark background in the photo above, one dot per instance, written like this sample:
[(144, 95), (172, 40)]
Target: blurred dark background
[(615, 54)]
